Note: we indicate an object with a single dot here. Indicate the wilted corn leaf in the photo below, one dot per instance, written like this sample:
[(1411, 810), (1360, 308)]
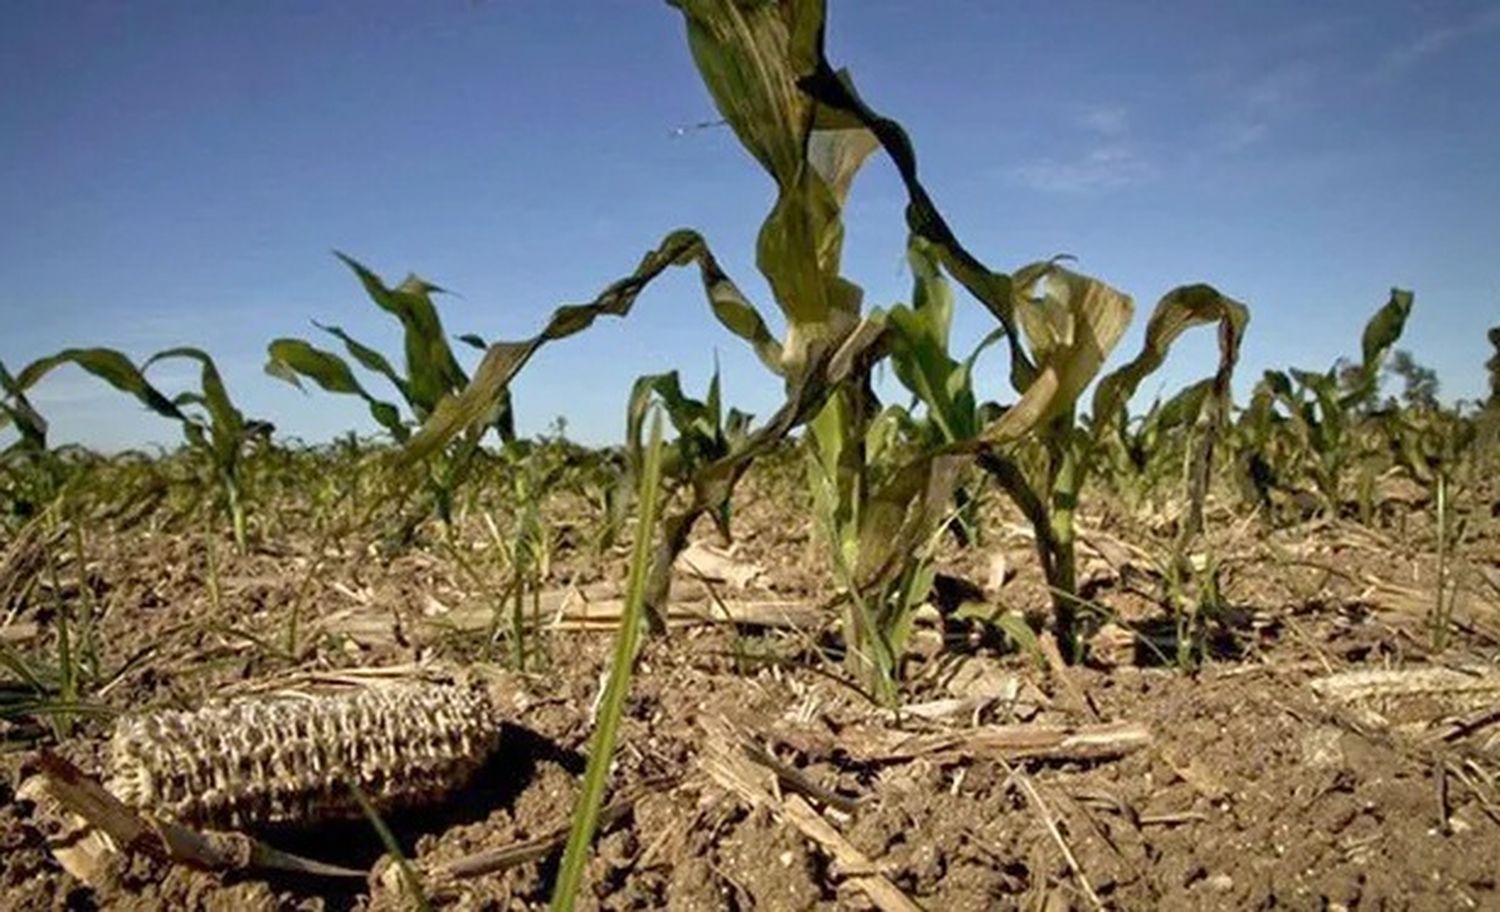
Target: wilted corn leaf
[(1178, 311), (504, 360), (751, 57), (1380, 333), (835, 91), (108, 365), (1072, 322), (902, 513), (16, 409), (292, 359)]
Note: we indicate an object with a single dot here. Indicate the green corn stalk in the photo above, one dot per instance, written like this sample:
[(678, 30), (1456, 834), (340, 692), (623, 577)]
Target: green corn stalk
[(214, 429), (432, 373), (880, 488), (879, 494), (612, 703), (1321, 416), (533, 472), (1071, 325), (705, 434), (1493, 367), (751, 58)]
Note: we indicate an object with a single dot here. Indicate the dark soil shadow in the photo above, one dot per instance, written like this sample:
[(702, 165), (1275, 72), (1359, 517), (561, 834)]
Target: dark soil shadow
[(1227, 636), (355, 844)]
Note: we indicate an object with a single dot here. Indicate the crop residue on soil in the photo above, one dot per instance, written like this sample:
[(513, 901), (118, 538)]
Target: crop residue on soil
[(1257, 789)]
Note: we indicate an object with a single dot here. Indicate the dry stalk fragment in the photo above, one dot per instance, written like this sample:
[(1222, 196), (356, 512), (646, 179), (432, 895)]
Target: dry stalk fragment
[(1380, 683), (291, 758)]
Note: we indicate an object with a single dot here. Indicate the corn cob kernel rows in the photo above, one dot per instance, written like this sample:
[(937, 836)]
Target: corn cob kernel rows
[(291, 759)]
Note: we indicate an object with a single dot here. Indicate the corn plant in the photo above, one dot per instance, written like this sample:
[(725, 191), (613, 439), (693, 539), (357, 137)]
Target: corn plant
[(1071, 324), (28, 479), (214, 429), (1432, 446), (866, 486), (16, 411), (525, 545), (616, 688), (1320, 419), (751, 58), (1493, 367), (602, 480), (432, 373), (705, 433), (880, 488)]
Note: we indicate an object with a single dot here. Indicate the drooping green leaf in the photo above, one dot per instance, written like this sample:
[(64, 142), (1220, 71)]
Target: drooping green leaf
[(291, 359), (369, 358), (16, 409), (1072, 322), (503, 360), (227, 424), (835, 91), (432, 372), (751, 57), (108, 365), (1178, 311)]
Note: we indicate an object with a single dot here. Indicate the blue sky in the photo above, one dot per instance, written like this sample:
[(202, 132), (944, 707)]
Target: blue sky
[(179, 172)]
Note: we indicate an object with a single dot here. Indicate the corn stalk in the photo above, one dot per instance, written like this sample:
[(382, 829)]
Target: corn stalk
[(216, 431)]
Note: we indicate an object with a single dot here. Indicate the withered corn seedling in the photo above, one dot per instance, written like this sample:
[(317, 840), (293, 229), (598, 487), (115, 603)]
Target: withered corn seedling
[(291, 759)]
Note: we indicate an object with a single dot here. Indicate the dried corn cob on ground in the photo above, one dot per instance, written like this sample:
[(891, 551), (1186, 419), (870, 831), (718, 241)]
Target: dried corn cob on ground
[(291, 758)]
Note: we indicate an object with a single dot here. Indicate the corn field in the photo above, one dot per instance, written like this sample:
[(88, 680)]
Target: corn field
[(892, 645)]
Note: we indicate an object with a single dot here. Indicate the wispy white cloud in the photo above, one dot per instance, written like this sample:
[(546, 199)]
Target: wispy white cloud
[(1106, 121), (1435, 40), (1263, 102), (1238, 134), (1110, 159), (1106, 167)]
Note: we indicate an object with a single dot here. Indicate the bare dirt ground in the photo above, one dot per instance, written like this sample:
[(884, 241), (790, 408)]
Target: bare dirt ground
[(1260, 787)]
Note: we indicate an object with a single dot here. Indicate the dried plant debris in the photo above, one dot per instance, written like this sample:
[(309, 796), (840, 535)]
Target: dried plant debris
[(292, 758)]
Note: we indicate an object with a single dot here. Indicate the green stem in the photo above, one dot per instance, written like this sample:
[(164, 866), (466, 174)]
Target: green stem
[(612, 706), (1439, 610)]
